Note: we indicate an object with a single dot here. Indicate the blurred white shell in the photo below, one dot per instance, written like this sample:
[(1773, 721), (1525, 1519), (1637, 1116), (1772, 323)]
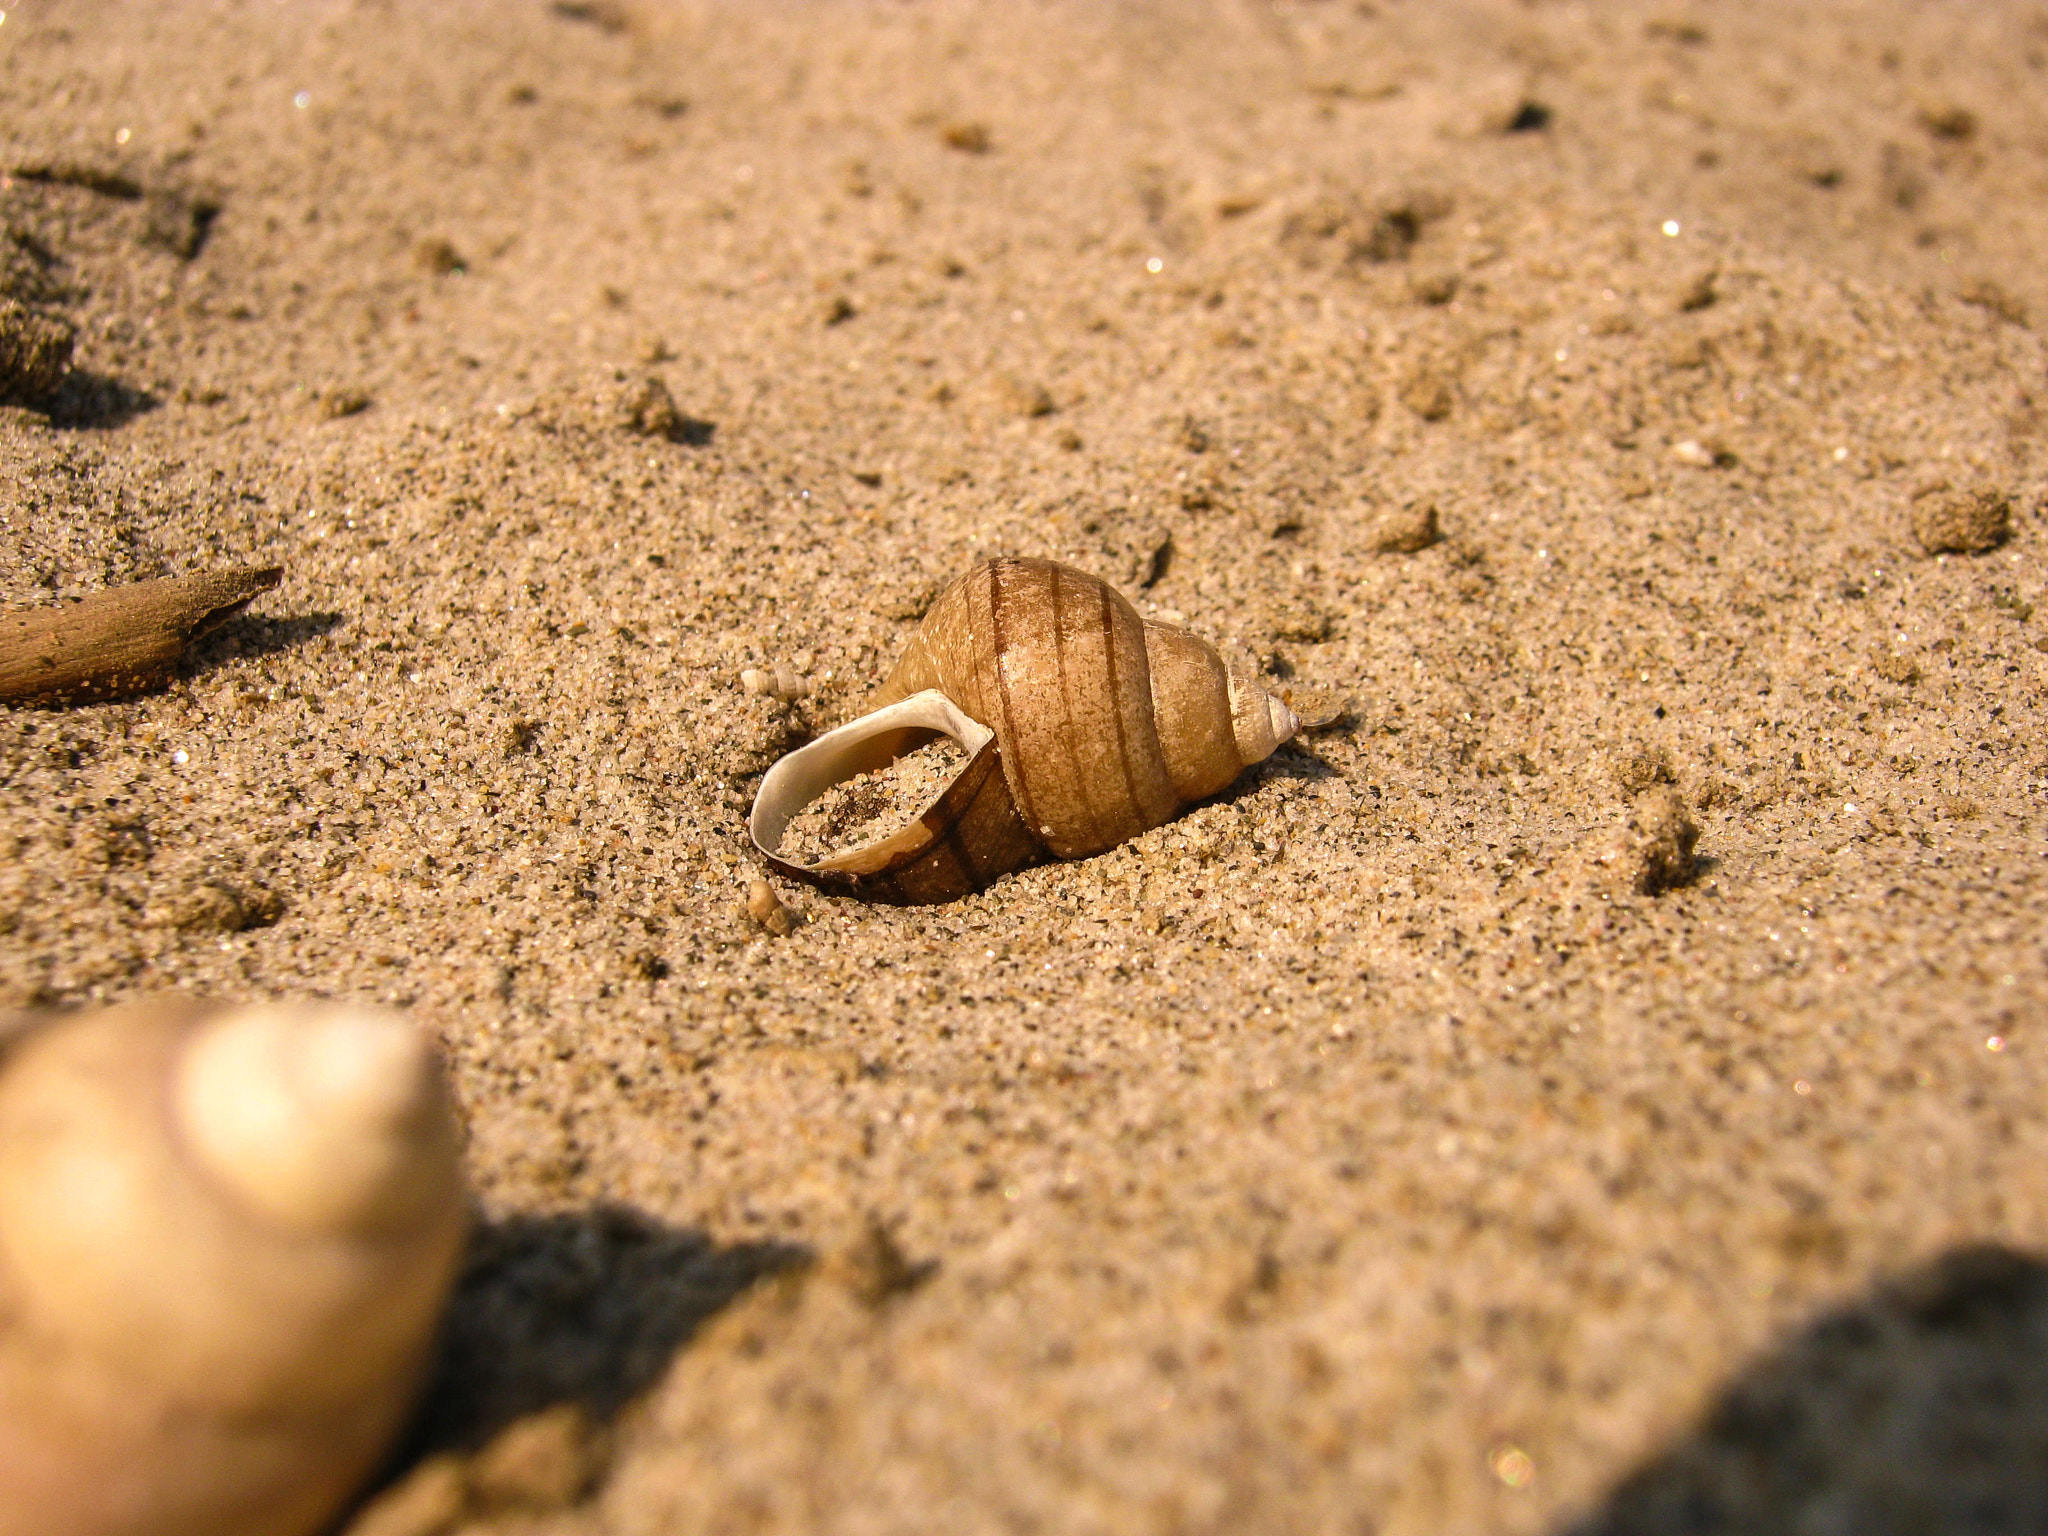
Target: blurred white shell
[(1084, 725), (226, 1237)]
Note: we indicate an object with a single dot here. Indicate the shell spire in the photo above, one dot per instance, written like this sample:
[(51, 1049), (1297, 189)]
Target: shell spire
[(313, 1116), (1103, 724)]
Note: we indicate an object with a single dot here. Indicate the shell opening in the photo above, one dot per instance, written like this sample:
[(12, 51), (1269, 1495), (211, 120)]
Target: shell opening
[(872, 742)]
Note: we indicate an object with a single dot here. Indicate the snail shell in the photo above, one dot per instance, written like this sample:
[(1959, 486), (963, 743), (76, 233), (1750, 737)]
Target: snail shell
[(226, 1237), (1084, 724)]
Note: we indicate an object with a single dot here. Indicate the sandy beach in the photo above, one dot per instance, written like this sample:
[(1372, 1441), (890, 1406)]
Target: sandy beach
[(1584, 412)]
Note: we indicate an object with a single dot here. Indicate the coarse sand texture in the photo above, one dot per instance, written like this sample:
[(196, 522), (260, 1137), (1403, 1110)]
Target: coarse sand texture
[(1592, 1078)]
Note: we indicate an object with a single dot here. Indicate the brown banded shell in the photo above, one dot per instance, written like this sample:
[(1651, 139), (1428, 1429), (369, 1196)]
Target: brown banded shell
[(1085, 725), (226, 1238)]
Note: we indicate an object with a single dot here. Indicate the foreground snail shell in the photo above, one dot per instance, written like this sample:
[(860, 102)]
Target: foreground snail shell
[(226, 1237), (1084, 724)]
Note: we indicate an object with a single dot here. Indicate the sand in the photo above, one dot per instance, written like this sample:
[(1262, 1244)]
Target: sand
[(871, 805), (1415, 1138)]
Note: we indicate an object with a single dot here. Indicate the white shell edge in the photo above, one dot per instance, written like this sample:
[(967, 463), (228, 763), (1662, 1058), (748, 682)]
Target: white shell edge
[(860, 746)]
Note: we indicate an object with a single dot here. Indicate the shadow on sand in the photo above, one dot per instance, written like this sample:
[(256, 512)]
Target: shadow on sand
[(251, 634), (1922, 1407), (88, 401), (586, 1307)]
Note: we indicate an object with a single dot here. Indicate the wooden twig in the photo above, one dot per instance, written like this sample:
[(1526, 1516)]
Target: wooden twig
[(121, 641)]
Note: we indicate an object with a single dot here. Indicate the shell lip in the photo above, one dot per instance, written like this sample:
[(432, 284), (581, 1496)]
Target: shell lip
[(873, 741)]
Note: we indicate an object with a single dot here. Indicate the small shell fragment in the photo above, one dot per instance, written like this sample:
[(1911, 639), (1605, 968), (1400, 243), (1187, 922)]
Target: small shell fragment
[(766, 908), (782, 682)]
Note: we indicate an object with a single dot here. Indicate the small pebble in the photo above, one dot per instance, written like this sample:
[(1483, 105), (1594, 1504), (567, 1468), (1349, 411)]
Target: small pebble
[(1021, 397), (35, 352), (214, 907), (645, 408), (1663, 837), (1962, 522), (1427, 392), (1433, 288), (1404, 530), (1948, 120), (427, 1501), (1684, 352), (1986, 294), (337, 403), (1303, 621), (438, 257), (875, 1269), (1700, 293), (178, 222), (1650, 851), (547, 1460)]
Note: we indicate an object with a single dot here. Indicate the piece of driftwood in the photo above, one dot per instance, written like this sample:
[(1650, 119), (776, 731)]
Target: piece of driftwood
[(121, 641)]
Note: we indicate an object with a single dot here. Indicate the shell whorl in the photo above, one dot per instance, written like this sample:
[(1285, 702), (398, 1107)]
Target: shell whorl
[(1108, 724), (1105, 725), (1054, 662), (313, 1116)]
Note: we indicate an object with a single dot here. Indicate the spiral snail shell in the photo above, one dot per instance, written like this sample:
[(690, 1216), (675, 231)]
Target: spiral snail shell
[(226, 1237), (1085, 725)]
